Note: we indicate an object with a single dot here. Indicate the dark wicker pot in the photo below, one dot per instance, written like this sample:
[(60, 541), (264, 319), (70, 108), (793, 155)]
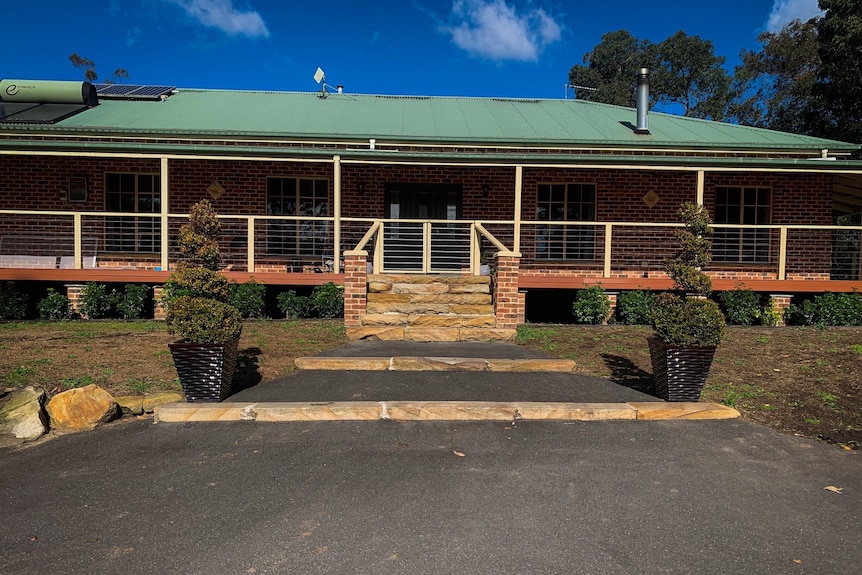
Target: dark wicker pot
[(206, 369), (679, 371)]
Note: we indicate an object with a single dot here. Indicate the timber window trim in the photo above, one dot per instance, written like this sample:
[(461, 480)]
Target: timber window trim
[(307, 198), (571, 202), (133, 192), (745, 206)]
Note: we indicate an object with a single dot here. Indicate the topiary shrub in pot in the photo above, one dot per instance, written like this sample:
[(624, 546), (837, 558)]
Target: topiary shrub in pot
[(196, 301), (687, 327)]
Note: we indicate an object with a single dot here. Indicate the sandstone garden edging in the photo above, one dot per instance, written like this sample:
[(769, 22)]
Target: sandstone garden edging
[(25, 415)]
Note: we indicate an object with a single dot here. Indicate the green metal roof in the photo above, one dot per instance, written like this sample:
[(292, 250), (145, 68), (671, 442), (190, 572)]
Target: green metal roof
[(283, 115)]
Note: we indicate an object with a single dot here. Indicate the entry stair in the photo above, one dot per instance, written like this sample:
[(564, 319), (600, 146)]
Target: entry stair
[(430, 308), (404, 381)]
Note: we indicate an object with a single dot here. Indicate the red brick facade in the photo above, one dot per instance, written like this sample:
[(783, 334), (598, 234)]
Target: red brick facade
[(487, 193)]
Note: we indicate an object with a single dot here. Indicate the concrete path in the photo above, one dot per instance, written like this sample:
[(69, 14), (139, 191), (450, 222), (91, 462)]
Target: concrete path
[(425, 498)]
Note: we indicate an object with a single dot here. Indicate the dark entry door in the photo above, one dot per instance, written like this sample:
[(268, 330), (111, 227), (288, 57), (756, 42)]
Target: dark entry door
[(405, 240)]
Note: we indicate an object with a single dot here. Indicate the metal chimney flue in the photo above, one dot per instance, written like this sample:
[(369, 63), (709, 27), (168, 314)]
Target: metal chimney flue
[(642, 101)]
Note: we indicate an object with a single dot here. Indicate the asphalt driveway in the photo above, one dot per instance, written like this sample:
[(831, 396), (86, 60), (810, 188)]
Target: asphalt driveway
[(427, 498)]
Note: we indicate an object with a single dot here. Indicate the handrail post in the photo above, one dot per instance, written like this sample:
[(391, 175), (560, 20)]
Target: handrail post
[(79, 241), (378, 250), (336, 223), (164, 214), (426, 247), (782, 254), (251, 244), (474, 250), (608, 243)]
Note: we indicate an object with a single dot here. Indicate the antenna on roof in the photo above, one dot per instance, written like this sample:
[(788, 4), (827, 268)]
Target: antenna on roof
[(320, 78), (574, 88)]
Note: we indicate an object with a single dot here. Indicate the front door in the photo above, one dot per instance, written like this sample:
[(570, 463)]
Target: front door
[(423, 241)]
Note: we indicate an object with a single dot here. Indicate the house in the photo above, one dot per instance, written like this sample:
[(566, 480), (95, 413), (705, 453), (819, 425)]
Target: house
[(324, 186)]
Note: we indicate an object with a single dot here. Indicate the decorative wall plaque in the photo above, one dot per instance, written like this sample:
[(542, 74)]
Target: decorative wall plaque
[(78, 188), (651, 198), (215, 190)]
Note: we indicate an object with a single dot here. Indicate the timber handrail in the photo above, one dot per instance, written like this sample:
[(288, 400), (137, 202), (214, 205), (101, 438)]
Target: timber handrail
[(368, 235)]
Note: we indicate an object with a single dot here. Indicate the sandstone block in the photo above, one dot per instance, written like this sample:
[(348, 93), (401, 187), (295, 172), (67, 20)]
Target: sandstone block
[(487, 334), (375, 333), (472, 309), (450, 298), (431, 333), (470, 288), (82, 409), (381, 319), (153, 400), (408, 363), (130, 404), (22, 417), (423, 288)]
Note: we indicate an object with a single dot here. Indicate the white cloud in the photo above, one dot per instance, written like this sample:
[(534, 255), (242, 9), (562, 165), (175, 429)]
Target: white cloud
[(785, 11), (494, 30), (221, 14)]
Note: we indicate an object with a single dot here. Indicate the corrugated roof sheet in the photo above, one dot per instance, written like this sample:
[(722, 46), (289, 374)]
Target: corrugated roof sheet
[(423, 119)]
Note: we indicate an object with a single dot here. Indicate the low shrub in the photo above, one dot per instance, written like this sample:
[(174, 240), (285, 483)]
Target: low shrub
[(680, 320), (131, 303), (294, 306), (828, 309), (202, 320), (591, 305), (96, 301), (327, 300), (741, 306), (249, 298), (13, 303), (55, 306), (635, 307)]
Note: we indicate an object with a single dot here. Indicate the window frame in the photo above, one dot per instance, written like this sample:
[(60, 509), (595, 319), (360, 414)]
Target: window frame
[(562, 242), (298, 238), (743, 245), (146, 232)]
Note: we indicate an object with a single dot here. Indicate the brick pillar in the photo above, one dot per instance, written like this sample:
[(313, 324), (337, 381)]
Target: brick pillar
[(612, 297), (509, 303), (355, 287), (73, 292), (780, 303), (158, 308)]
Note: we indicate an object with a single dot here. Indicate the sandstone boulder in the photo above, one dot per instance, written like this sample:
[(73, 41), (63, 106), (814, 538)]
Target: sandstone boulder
[(22, 417), (130, 404), (153, 400), (82, 409)]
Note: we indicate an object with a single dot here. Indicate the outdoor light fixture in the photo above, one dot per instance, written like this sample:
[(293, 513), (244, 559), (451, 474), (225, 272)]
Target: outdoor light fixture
[(361, 188), (486, 191)]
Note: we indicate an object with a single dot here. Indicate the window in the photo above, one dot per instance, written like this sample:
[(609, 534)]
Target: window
[(140, 193), (742, 206), (566, 202), (297, 197)]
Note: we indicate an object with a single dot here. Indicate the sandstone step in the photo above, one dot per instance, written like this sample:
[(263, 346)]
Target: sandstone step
[(428, 308), (447, 298), (429, 320), (410, 363), (428, 284), (412, 333), (428, 411)]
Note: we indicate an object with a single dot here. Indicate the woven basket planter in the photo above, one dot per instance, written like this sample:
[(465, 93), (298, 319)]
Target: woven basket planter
[(206, 369), (680, 371)]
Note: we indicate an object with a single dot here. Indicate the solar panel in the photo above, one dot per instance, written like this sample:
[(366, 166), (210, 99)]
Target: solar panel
[(43, 114), (132, 91)]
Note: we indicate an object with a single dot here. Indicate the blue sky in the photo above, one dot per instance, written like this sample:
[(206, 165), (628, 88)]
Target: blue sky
[(505, 48)]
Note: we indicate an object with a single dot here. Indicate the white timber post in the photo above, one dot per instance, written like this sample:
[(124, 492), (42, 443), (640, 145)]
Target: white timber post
[(164, 213), (336, 199)]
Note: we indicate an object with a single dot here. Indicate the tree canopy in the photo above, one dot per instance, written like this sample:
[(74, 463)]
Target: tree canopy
[(804, 78), (88, 68)]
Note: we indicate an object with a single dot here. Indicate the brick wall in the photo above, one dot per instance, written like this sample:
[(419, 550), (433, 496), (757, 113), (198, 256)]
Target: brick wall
[(38, 182)]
